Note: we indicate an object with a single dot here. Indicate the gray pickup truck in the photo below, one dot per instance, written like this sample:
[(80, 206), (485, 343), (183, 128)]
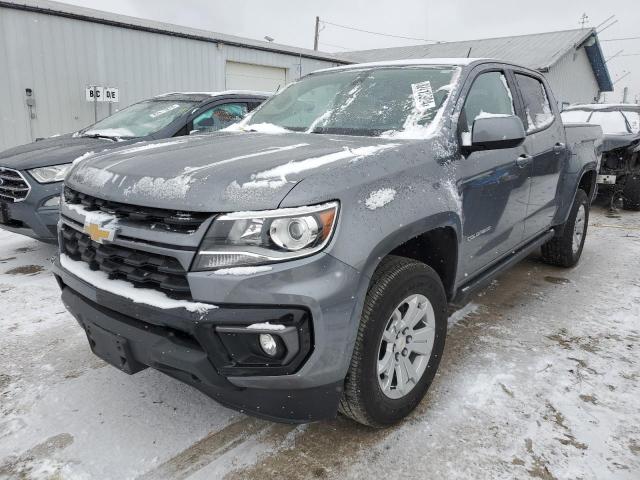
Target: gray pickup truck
[(31, 175), (302, 262)]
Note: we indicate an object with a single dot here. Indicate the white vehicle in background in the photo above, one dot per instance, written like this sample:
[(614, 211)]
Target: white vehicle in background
[(619, 175)]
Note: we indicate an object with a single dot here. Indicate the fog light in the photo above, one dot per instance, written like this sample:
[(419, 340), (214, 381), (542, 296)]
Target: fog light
[(268, 344), (52, 202)]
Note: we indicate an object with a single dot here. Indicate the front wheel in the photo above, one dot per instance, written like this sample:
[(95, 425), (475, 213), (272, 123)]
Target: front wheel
[(565, 250), (399, 344)]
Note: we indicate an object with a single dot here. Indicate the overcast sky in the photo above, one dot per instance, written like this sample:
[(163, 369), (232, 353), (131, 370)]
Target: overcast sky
[(292, 22)]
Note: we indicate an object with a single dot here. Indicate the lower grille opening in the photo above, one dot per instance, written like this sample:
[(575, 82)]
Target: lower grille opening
[(141, 269)]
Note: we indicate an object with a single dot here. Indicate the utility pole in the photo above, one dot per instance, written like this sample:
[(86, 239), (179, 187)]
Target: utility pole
[(625, 95), (316, 37)]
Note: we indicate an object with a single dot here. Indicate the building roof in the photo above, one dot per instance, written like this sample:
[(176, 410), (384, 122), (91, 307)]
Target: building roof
[(539, 51), (106, 18)]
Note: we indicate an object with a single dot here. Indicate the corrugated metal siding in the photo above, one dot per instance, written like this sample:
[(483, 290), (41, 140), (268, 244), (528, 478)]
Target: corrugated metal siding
[(572, 79), (58, 57)]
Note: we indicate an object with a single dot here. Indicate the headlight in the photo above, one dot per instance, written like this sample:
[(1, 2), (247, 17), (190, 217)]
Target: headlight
[(52, 174), (257, 238)]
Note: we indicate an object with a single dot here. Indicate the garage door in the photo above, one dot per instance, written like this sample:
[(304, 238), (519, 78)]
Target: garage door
[(246, 76)]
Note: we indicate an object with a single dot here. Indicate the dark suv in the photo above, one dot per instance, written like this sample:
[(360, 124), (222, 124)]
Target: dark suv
[(31, 175)]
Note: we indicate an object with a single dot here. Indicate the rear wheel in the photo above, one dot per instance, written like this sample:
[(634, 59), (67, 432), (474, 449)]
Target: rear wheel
[(565, 250), (631, 193), (399, 344)]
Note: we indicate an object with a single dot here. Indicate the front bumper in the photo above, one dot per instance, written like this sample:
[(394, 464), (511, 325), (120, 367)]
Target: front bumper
[(30, 217), (183, 344)]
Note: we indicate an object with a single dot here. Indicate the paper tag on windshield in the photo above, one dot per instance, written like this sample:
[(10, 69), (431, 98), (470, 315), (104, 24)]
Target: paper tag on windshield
[(423, 95)]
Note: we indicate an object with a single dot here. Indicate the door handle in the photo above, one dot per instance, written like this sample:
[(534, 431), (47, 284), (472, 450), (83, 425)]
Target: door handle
[(559, 148), (524, 160)]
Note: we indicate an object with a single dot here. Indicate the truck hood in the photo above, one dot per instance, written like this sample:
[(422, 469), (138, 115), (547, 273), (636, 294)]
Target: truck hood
[(53, 151), (217, 173)]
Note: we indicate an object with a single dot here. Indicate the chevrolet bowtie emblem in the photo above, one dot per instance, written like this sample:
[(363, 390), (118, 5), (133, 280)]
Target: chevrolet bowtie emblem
[(99, 234)]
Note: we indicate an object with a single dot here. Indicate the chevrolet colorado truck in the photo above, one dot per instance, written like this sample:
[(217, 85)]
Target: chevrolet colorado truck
[(31, 175), (302, 262), (619, 174)]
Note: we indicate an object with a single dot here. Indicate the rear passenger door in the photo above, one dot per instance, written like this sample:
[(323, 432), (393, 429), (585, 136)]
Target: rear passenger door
[(546, 138), (495, 188)]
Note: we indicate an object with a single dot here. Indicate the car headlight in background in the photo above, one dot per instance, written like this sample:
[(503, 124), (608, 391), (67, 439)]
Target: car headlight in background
[(258, 238), (55, 173)]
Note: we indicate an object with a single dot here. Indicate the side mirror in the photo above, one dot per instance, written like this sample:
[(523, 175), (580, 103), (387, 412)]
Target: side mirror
[(496, 132)]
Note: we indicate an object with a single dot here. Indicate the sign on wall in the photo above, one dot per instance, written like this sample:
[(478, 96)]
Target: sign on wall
[(94, 93)]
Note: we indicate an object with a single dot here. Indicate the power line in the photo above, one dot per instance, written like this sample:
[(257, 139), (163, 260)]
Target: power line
[(335, 46), (376, 33), (618, 39), (631, 55)]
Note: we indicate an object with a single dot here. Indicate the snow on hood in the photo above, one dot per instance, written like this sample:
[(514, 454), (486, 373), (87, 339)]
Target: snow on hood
[(220, 172)]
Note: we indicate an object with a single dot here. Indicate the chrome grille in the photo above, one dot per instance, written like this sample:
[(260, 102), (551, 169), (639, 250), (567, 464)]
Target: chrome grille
[(13, 186)]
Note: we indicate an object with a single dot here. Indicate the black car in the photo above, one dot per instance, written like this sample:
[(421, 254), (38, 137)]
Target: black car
[(619, 174), (31, 175)]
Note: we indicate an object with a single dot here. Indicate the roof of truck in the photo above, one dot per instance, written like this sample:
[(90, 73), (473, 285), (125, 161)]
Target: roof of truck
[(604, 106), (408, 62), (199, 96)]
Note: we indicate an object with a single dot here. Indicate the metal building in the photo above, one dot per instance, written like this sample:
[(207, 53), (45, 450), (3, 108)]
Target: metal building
[(572, 60), (50, 53)]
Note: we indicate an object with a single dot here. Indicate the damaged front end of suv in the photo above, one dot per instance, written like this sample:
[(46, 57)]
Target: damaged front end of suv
[(619, 176)]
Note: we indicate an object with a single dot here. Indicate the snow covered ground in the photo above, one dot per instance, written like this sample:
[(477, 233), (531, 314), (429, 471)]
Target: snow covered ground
[(540, 379)]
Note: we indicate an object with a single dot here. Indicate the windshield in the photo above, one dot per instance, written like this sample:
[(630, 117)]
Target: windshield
[(364, 102), (612, 122), (140, 119)]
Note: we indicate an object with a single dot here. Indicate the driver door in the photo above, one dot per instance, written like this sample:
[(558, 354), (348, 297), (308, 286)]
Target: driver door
[(494, 183)]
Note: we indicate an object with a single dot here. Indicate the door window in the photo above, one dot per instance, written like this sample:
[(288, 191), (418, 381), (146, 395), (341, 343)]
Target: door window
[(219, 117), (536, 103), (489, 96)]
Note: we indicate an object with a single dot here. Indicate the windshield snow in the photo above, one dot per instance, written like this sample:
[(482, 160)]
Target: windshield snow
[(140, 119), (362, 102)]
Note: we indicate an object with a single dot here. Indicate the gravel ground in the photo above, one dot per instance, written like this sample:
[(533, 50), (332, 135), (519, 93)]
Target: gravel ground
[(540, 379)]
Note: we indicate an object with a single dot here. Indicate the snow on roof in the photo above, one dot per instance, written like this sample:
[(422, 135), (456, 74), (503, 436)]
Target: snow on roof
[(219, 94), (407, 62), (603, 106)]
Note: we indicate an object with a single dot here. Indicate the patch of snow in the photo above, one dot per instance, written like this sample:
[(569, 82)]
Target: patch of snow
[(281, 171), (484, 114), (151, 146), (121, 288), (266, 326), (464, 312), (83, 157), (93, 177), (380, 198), (99, 218), (242, 270), (256, 127), (161, 188), (267, 151)]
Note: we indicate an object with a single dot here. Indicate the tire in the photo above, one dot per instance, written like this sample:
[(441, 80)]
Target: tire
[(395, 280), (561, 250), (631, 193)]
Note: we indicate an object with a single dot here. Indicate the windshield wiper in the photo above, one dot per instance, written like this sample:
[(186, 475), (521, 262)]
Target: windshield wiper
[(99, 135)]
